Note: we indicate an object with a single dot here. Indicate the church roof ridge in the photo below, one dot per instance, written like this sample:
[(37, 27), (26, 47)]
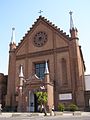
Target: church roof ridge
[(48, 22), (54, 26)]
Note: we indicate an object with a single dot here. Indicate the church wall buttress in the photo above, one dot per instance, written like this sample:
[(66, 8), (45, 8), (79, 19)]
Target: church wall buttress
[(77, 73), (11, 79)]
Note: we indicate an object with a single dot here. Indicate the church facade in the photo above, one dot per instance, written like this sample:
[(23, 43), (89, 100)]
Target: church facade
[(46, 59)]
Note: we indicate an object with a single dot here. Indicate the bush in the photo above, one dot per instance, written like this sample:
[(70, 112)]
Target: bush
[(73, 107), (61, 107)]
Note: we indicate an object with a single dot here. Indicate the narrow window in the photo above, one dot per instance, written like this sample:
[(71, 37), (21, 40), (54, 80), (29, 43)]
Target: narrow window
[(64, 71), (40, 69)]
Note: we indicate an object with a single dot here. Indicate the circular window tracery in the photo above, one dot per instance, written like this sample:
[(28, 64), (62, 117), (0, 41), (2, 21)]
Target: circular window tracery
[(40, 39)]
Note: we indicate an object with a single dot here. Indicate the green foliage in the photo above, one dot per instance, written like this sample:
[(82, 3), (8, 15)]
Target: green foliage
[(73, 107), (61, 107), (42, 97)]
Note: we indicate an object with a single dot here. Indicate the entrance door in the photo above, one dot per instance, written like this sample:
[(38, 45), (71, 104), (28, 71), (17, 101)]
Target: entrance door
[(31, 101), (35, 103)]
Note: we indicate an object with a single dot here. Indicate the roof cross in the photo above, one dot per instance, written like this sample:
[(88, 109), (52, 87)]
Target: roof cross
[(40, 12)]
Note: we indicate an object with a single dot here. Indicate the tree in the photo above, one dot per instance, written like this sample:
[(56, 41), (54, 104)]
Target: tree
[(42, 99)]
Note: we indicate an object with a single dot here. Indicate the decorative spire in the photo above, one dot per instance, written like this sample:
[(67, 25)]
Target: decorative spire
[(13, 35), (71, 21), (46, 68), (21, 72)]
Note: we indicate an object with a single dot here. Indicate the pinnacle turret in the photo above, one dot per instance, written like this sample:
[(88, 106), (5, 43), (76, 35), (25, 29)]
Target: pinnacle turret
[(21, 75), (46, 68), (13, 36), (12, 43), (71, 21), (73, 30)]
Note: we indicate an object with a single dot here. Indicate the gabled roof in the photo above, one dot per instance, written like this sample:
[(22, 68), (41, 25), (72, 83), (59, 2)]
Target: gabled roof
[(34, 79), (50, 24)]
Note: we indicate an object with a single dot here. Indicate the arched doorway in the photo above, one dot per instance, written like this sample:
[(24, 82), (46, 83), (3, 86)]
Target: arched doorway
[(33, 105)]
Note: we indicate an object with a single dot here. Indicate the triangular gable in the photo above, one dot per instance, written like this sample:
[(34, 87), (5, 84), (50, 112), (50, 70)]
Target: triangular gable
[(60, 32), (33, 79)]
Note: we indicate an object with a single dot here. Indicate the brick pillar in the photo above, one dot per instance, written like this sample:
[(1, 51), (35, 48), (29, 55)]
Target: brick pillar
[(49, 88), (76, 70), (10, 98)]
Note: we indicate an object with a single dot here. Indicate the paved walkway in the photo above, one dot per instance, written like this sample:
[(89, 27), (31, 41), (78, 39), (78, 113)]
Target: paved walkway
[(15, 114), (39, 116)]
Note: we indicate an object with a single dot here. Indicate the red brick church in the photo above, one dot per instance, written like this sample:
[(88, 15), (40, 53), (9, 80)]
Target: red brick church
[(46, 58)]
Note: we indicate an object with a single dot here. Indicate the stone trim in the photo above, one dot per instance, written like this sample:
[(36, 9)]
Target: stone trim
[(42, 53)]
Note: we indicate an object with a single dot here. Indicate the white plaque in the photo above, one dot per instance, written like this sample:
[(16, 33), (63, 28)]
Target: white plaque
[(89, 102), (66, 96)]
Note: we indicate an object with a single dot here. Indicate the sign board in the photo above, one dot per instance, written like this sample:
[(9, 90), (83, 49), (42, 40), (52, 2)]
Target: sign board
[(89, 102), (87, 82), (66, 96)]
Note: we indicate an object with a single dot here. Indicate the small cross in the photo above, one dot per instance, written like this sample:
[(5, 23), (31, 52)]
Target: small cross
[(40, 12), (13, 28), (70, 12)]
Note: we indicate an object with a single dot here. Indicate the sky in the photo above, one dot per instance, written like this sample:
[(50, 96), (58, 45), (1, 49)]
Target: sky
[(21, 14)]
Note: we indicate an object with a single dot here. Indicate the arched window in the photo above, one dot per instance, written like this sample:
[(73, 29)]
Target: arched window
[(40, 69), (64, 71)]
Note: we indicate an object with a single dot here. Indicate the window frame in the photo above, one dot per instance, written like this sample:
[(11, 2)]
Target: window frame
[(40, 66)]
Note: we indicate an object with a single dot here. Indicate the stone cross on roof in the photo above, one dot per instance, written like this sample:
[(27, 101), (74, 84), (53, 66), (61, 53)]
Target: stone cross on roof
[(40, 12)]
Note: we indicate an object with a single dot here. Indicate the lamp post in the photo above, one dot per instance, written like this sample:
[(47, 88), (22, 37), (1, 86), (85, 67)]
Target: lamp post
[(20, 100)]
